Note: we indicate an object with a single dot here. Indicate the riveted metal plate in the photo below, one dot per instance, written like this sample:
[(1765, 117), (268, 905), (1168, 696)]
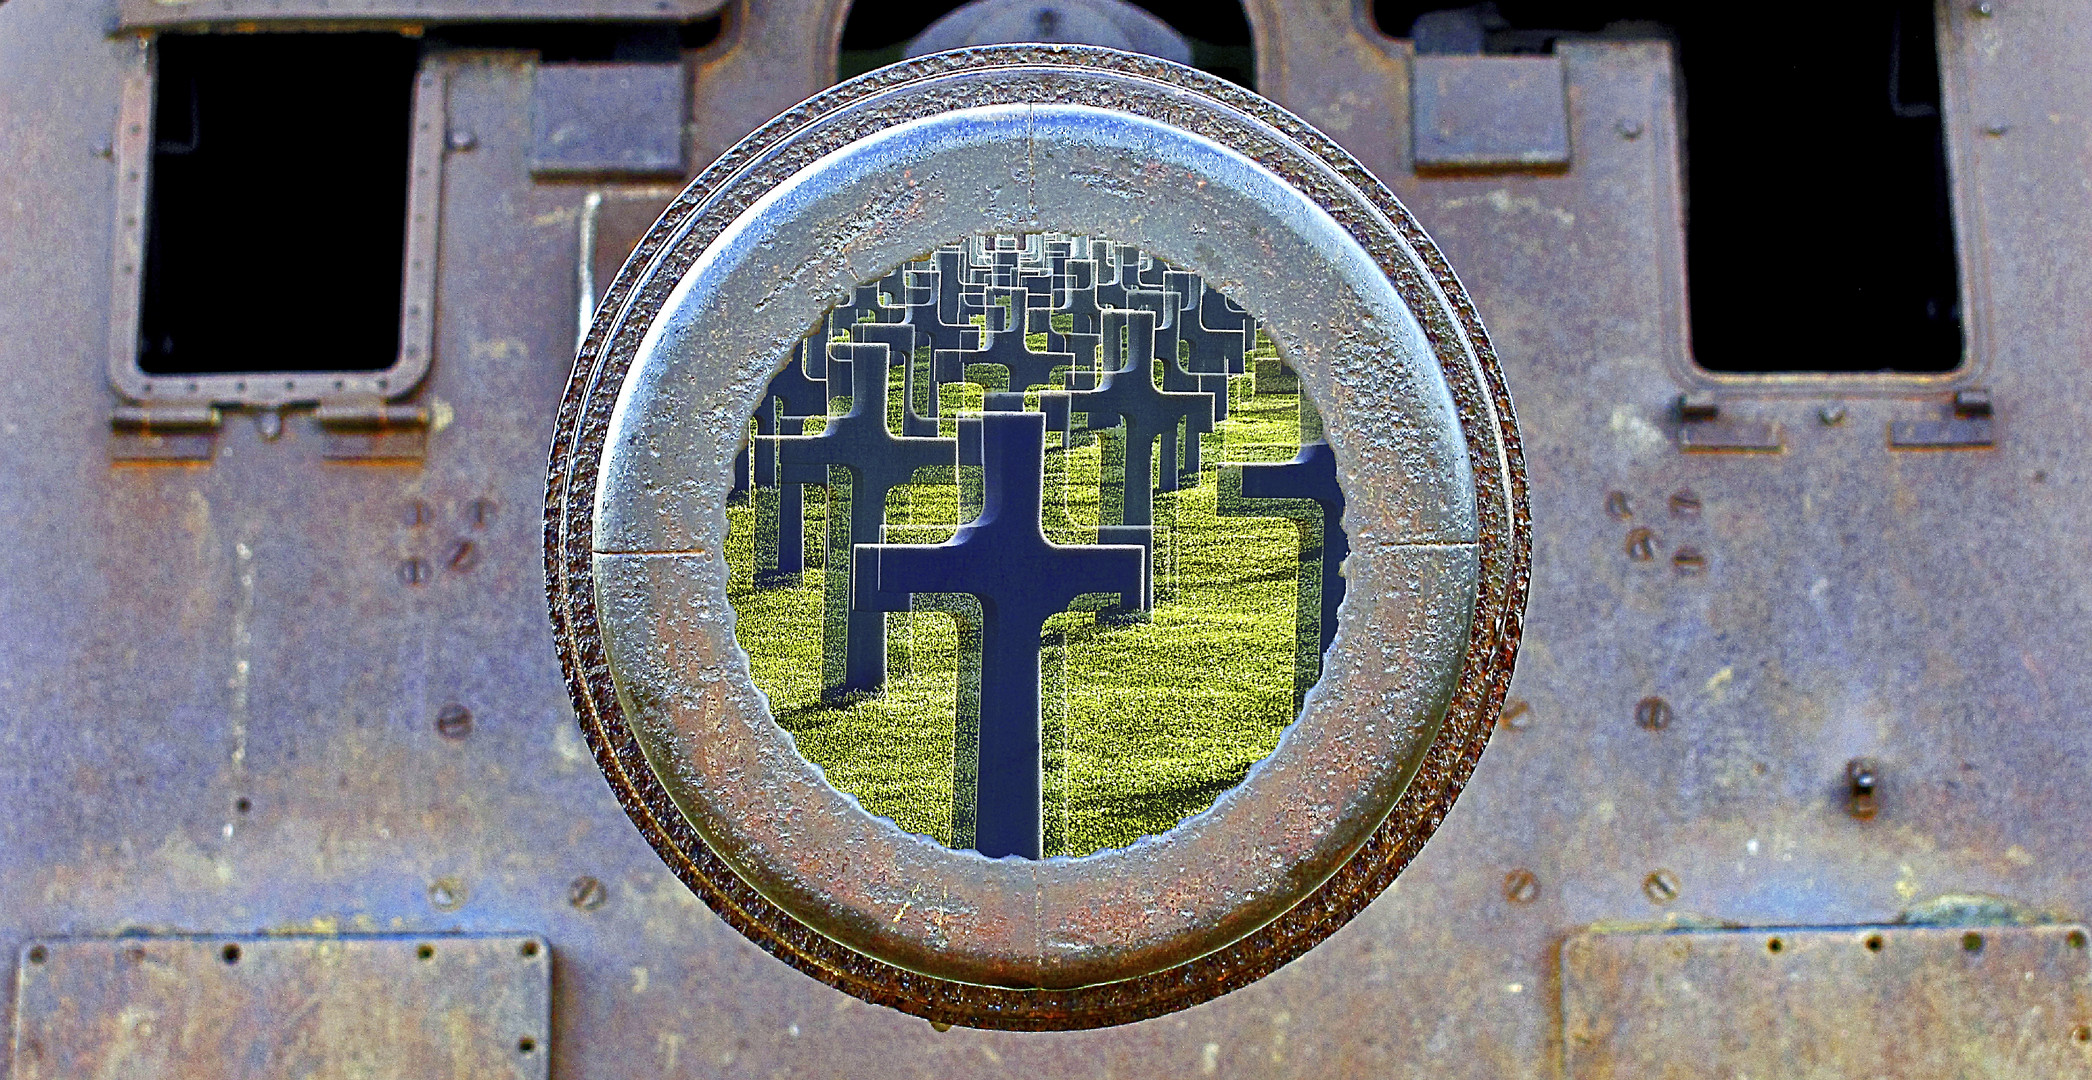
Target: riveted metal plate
[(1882, 1001), (161, 13), (1037, 139), (234, 1007)]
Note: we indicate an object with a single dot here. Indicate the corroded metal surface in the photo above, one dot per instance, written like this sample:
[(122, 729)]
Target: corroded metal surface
[(319, 1007), (191, 13), (1891, 1002), (923, 154), (183, 637)]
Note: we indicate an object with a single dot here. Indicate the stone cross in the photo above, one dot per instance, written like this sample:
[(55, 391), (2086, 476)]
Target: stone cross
[(1128, 394), (1009, 348), (1218, 315), (1214, 354), (900, 341), (878, 461), (1312, 474), (1021, 578), (1175, 379), (789, 400)]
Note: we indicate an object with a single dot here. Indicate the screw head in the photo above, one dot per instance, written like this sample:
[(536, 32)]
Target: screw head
[(1521, 886), (1661, 886), (454, 722), (447, 894), (587, 893), (1653, 713)]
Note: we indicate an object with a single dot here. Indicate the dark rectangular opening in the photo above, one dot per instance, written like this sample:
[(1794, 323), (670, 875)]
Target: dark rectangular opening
[(276, 226), (1819, 227)]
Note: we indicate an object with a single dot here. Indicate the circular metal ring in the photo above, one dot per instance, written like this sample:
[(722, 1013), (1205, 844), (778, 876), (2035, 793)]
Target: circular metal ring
[(1028, 139)]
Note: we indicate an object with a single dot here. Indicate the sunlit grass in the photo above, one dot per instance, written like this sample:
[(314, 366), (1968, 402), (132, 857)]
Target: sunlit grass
[(1146, 721)]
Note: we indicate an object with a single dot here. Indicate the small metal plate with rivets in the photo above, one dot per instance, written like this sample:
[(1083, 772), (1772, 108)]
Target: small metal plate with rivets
[(231, 1008), (1873, 1001)]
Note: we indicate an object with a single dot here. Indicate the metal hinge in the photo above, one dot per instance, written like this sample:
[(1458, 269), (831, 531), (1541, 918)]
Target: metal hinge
[(1968, 428), (1703, 429), (365, 428), (163, 432)]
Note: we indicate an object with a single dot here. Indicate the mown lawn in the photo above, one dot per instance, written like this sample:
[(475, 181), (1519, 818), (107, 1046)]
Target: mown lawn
[(1146, 721)]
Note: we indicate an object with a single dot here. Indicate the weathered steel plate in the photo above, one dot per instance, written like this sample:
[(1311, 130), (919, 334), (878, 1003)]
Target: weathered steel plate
[(1490, 112), (163, 13), (608, 120), (1866, 1001), (317, 1007)]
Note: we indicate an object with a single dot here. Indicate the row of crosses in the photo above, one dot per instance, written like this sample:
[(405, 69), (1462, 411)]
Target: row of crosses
[(966, 309)]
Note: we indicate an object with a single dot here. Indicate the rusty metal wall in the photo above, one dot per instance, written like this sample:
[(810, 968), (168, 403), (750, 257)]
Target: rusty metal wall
[(222, 692)]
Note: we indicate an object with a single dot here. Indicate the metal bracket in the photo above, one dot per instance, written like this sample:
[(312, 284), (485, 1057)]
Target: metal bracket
[(1490, 113), (163, 432), (367, 429), (608, 120), (1968, 428), (1704, 430)]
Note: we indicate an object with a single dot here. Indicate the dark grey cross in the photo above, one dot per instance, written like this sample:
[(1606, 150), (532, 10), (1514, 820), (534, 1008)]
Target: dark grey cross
[(1211, 354), (788, 401), (1038, 289), (1312, 474), (863, 302), (1021, 578), (953, 307), (1128, 395), (1010, 349), (900, 341), (1175, 379), (1125, 274), (878, 461), (1218, 315), (1081, 301)]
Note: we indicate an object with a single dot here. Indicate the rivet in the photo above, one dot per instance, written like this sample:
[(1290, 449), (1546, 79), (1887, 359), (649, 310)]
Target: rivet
[(454, 721), (1831, 415), (447, 894), (1641, 544), (587, 893), (1653, 713), (1521, 886), (1863, 778)]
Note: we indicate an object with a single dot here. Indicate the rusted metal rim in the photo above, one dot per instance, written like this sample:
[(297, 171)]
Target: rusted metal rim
[(679, 698)]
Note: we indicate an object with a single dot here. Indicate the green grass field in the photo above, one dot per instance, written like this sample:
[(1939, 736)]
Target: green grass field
[(1146, 721)]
